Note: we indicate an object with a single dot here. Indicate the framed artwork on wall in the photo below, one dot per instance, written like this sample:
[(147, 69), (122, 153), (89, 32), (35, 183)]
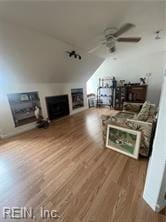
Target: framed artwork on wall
[(77, 98), (22, 106), (125, 141)]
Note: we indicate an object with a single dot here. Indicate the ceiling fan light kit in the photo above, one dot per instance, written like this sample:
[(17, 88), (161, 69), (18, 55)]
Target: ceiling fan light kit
[(112, 35)]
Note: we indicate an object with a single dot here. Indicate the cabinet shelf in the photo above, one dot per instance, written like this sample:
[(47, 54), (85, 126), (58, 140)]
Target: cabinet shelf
[(104, 93)]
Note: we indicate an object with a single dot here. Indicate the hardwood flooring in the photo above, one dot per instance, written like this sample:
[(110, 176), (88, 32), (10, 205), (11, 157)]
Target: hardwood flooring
[(66, 168)]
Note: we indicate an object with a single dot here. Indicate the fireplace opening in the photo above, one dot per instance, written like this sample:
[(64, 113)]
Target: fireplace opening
[(57, 106)]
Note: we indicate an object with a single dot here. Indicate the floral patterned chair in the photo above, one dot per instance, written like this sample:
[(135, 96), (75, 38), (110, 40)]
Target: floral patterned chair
[(136, 116)]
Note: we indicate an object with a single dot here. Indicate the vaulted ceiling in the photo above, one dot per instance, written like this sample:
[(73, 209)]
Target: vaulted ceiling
[(78, 25), (81, 23)]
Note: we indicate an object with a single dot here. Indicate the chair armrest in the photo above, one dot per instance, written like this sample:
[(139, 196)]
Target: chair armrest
[(146, 131), (105, 120), (145, 127), (105, 117), (142, 123), (132, 107)]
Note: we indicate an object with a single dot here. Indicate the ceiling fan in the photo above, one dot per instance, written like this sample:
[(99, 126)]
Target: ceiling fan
[(111, 36)]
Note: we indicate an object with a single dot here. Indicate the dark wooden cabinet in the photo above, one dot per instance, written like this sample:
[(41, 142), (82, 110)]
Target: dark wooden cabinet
[(136, 93), (129, 93), (115, 95)]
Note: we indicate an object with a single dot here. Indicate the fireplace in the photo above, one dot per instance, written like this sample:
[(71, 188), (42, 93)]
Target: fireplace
[(57, 106)]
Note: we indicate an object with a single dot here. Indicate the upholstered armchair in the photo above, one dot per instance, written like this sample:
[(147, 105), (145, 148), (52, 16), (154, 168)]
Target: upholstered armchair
[(128, 119)]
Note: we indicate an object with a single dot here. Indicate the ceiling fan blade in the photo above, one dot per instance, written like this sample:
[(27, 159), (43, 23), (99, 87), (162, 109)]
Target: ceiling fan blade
[(129, 39), (123, 29)]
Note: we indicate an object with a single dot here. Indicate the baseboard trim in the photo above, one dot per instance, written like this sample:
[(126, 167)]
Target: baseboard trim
[(78, 110), (24, 129), (156, 207), (17, 132), (161, 205)]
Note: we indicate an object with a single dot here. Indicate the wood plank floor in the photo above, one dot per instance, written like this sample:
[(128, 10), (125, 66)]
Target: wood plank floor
[(66, 168)]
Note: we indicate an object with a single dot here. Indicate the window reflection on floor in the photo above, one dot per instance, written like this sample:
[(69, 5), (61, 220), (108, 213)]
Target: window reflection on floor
[(6, 178), (94, 128)]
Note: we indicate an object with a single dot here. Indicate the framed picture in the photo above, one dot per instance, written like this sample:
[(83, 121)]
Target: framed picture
[(22, 106), (91, 102), (77, 98), (123, 140)]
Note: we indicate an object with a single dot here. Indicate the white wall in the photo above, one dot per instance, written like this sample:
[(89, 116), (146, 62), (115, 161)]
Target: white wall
[(7, 127), (155, 185), (33, 61), (131, 68), (28, 56)]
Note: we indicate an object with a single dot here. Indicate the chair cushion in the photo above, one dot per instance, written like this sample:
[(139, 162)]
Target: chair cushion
[(132, 107), (124, 115), (144, 112), (120, 118)]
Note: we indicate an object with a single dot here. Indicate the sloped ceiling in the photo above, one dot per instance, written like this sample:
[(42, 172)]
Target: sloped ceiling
[(29, 31), (29, 56), (81, 23)]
